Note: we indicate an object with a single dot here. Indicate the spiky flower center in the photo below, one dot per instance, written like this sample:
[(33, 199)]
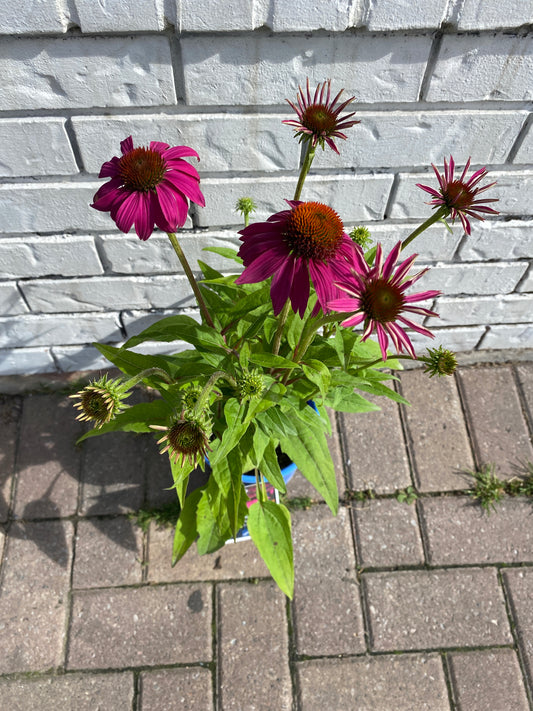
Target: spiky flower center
[(251, 385), (141, 169), (382, 301), (186, 437), (458, 196), (314, 231), (319, 119), (94, 404)]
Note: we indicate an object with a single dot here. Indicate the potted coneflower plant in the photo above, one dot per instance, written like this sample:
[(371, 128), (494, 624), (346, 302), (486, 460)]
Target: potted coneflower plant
[(298, 325)]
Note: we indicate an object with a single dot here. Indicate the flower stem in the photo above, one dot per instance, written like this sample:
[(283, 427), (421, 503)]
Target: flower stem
[(146, 374), (310, 154), (192, 281), (441, 212), (204, 395), (281, 323)]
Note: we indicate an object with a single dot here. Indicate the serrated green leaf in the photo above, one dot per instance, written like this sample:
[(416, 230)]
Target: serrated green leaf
[(136, 418), (270, 528), (269, 360), (270, 469), (318, 373), (344, 400), (227, 252), (276, 423), (132, 363), (186, 530), (183, 328)]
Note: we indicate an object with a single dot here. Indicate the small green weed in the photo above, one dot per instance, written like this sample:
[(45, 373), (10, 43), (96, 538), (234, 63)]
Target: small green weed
[(488, 489), (407, 495), (362, 495), (165, 516), (298, 503)]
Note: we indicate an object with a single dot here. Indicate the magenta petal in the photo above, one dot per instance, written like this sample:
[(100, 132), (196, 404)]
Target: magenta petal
[(344, 304), (126, 145), (158, 146), (144, 222), (110, 168), (126, 213), (108, 194), (179, 152), (187, 185), (261, 268), (391, 260), (354, 320), (382, 340), (299, 293), (281, 285)]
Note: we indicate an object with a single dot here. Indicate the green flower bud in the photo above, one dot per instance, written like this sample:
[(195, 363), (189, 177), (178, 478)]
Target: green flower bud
[(361, 236), (251, 385), (101, 401), (186, 438), (439, 361)]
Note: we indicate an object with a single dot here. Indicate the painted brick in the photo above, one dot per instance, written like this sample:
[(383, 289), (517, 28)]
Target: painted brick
[(412, 610), (170, 624), (380, 683), (213, 16), (489, 679), (127, 254), (525, 152), (393, 139), (65, 255), (73, 358), (403, 14), (512, 190), (105, 692), (119, 15), (503, 337), (459, 533), (492, 15), (496, 240), (136, 321), (35, 147), (456, 339), (527, 284), (176, 690), (486, 310), (98, 293), (28, 361), (437, 244), (302, 16), (11, 302), (32, 330), (224, 141), (86, 72), (50, 207), (233, 70), (453, 279), (33, 16), (269, 194), (491, 67)]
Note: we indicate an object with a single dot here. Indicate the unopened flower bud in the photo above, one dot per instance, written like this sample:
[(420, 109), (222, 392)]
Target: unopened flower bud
[(439, 361), (361, 236), (251, 385), (191, 396), (245, 206), (101, 400), (185, 438)]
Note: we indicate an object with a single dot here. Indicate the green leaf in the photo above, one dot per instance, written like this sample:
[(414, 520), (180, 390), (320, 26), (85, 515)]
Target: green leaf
[(136, 418), (310, 452), (275, 422), (345, 400), (183, 328), (180, 475), (318, 373), (227, 252), (269, 467), (210, 536), (270, 528), (269, 360), (186, 530), (236, 427), (132, 363)]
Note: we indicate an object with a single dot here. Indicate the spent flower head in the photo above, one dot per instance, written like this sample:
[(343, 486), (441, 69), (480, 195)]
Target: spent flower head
[(318, 116), (186, 438), (101, 400), (439, 361), (459, 195), (377, 298), (148, 187)]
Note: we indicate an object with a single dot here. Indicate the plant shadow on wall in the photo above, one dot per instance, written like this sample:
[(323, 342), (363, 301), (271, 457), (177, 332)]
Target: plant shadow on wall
[(304, 329)]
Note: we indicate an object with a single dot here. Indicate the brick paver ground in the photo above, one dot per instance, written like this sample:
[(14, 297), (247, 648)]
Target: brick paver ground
[(414, 600)]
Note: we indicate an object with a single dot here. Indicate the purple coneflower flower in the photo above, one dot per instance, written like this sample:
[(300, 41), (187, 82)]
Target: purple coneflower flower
[(459, 195), (307, 241), (377, 296), (149, 186), (318, 117)]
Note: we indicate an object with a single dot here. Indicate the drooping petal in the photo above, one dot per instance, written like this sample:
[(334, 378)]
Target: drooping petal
[(281, 284), (126, 213), (109, 169), (144, 222), (187, 185)]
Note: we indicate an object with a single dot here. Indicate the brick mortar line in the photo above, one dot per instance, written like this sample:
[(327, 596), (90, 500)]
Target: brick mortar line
[(512, 617), (58, 673), (405, 652), (293, 655), (448, 680), (137, 687), (215, 666), (463, 403), (523, 402)]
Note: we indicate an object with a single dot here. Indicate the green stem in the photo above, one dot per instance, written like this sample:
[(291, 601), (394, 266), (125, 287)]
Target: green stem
[(310, 154), (380, 360), (204, 395), (146, 374), (192, 281), (441, 212), (282, 318)]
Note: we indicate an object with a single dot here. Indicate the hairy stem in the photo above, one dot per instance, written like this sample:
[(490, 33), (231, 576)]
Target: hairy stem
[(441, 212), (192, 281), (310, 154)]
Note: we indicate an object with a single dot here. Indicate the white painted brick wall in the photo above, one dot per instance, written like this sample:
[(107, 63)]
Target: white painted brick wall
[(79, 76), (235, 71), (456, 339)]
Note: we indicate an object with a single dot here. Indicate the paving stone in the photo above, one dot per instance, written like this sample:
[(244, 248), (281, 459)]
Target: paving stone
[(300, 487), (459, 532), (10, 408), (488, 679), (412, 610), (499, 434), (34, 593), (108, 552), (374, 448), (82, 692), (410, 682), (113, 473), (387, 534), (233, 561), (327, 604), (122, 627), (48, 460), (253, 648), (438, 438), (174, 689), (525, 378), (159, 480), (519, 585)]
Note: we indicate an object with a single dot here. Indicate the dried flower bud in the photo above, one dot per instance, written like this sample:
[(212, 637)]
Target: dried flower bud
[(186, 439), (361, 236), (101, 400), (439, 361), (251, 385)]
